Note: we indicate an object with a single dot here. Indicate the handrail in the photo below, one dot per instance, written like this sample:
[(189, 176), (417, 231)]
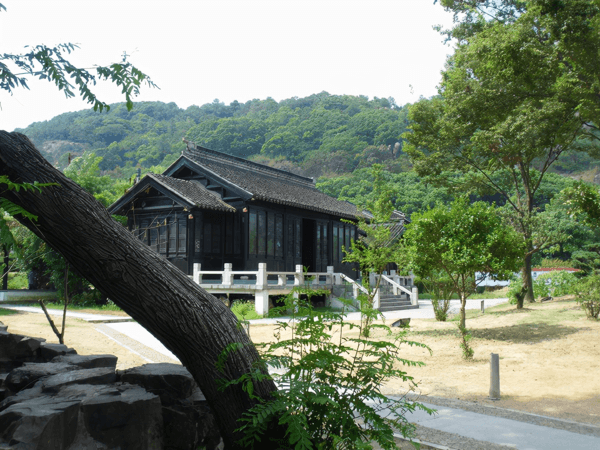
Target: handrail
[(350, 280), (396, 285)]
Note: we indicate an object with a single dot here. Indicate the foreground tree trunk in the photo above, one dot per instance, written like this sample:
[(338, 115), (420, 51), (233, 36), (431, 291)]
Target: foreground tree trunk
[(190, 322), (527, 279)]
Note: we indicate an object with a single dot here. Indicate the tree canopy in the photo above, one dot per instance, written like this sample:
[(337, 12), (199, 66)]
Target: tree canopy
[(520, 90)]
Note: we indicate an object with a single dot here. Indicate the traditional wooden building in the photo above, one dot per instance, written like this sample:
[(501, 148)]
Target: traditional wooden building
[(212, 208)]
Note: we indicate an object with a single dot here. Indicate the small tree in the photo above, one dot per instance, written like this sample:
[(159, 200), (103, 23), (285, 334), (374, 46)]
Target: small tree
[(378, 248), (441, 288), (329, 394), (459, 240)]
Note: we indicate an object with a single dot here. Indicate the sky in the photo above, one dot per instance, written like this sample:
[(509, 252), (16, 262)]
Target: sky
[(197, 51)]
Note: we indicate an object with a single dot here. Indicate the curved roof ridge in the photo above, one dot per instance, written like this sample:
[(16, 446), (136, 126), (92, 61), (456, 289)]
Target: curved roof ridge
[(198, 151)]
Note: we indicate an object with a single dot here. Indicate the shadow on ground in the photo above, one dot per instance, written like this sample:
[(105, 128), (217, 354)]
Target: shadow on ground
[(530, 333)]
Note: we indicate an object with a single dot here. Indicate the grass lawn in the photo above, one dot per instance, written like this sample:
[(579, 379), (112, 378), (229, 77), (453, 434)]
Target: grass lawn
[(109, 308), (7, 312)]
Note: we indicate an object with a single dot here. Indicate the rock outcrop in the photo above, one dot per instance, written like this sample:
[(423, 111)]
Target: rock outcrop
[(52, 398)]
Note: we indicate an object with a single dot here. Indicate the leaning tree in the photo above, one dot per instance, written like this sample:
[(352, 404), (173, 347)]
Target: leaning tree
[(189, 321)]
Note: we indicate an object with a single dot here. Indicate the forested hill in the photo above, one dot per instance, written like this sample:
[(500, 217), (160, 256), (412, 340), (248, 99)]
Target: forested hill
[(317, 135), (334, 139)]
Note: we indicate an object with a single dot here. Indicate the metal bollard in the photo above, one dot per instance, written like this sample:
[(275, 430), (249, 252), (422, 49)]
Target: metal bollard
[(495, 377), (482, 306)]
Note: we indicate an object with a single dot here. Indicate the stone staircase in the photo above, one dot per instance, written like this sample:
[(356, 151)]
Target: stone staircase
[(389, 302)]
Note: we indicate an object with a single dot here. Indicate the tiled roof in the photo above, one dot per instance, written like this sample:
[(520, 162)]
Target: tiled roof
[(195, 193), (269, 184)]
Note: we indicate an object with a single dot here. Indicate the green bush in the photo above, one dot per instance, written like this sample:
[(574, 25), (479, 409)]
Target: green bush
[(555, 284), (515, 287), (329, 393), (245, 310), (17, 280), (587, 292)]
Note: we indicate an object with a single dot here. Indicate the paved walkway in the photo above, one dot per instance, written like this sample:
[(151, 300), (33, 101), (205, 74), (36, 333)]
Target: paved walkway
[(457, 429), (456, 426)]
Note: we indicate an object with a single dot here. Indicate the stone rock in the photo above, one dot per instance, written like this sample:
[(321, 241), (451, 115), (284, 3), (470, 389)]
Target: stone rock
[(122, 416), (23, 396), (402, 323), (16, 346), (98, 375), (5, 393), (27, 374), (88, 361), (50, 351), (40, 423), (171, 382), (7, 364)]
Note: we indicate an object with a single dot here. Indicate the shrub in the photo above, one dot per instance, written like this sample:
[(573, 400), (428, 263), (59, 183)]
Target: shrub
[(588, 295), (556, 283), (329, 392), (17, 280)]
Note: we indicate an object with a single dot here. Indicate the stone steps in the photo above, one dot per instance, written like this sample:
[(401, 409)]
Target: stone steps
[(395, 303)]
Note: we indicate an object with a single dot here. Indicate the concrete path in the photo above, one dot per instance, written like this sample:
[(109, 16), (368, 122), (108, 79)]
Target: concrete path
[(93, 318), (506, 432)]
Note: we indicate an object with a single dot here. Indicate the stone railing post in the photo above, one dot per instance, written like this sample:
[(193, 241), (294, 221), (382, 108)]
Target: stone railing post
[(376, 298), (261, 294), (298, 279), (281, 279), (330, 279), (227, 277), (299, 276), (197, 274), (414, 298)]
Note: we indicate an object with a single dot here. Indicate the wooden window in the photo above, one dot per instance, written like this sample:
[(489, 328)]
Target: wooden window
[(216, 237), (237, 232), (172, 227), (207, 236), (271, 234), (318, 249), (144, 224), (279, 235), (335, 243), (162, 236), (298, 238), (198, 236), (182, 236), (252, 233), (324, 246), (229, 234), (290, 240), (153, 231), (347, 229), (262, 233)]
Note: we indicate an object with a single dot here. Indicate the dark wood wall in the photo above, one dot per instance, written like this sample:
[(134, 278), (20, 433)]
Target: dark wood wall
[(282, 237)]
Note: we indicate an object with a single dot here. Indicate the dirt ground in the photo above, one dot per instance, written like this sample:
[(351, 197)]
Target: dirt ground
[(549, 356), (549, 359), (80, 335)]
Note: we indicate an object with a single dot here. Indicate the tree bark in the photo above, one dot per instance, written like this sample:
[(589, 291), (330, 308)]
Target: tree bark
[(463, 310), (527, 279), (189, 321)]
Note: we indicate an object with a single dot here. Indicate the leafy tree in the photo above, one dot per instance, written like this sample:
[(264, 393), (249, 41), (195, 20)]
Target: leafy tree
[(460, 239), (330, 395), (377, 249), (519, 91)]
